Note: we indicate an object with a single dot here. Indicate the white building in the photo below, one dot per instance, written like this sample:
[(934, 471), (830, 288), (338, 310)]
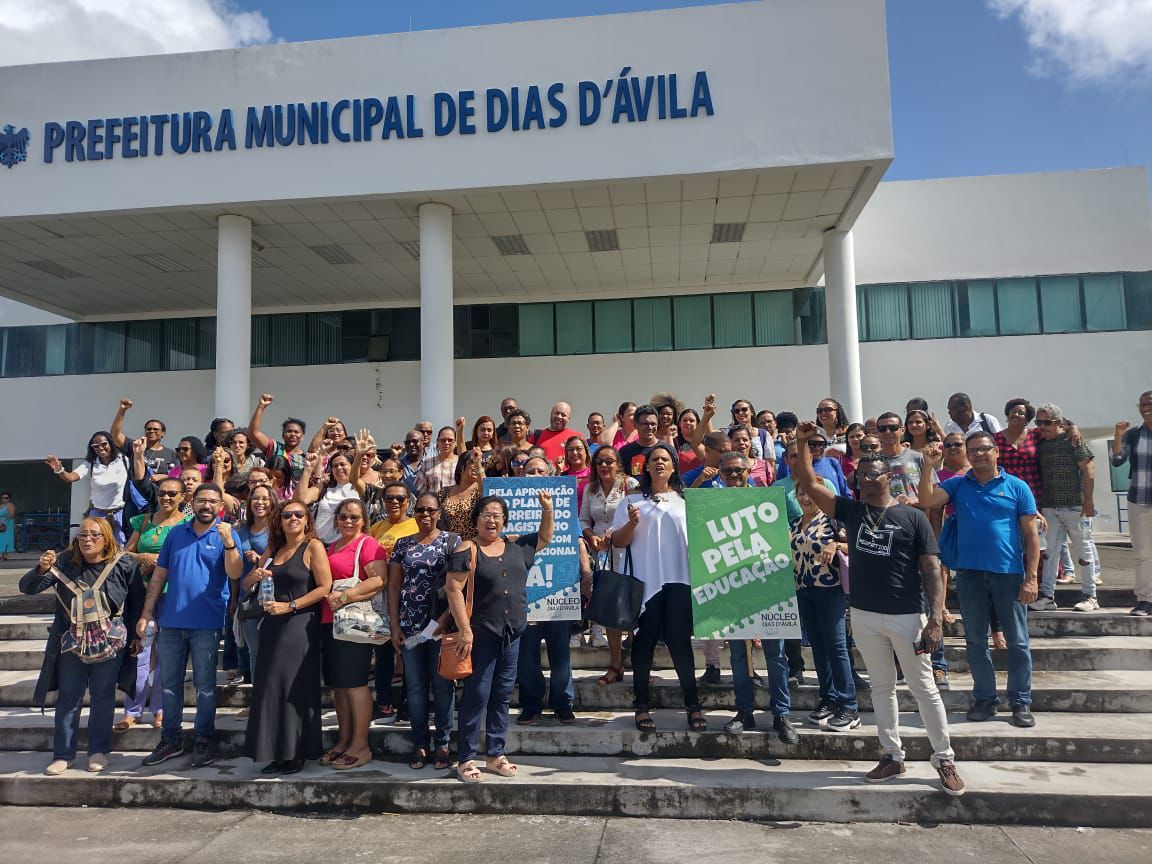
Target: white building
[(678, 200)]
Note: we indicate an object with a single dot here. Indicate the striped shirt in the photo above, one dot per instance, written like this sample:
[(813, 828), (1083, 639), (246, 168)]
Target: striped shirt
[(1137, 453)]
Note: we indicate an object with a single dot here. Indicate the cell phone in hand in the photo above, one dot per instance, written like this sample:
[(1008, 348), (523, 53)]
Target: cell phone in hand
[(921, 646)]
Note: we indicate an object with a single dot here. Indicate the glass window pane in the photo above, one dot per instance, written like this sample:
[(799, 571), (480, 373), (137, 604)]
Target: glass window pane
[(260, 327), (144, 346), (287, 340), (56, 349), (693, 322), (861, 313), (1016, 300), (24, 352), (1060, 299), (613, 326), (206, 344), (775, 321), (536, 330), (652, 323), (180, 343), (809, 306), (108, 342), (574, 328), (976, 307), (325, 339), (405, 334), (462, 333), (354, 331), (733, 320), (1138, 300), (1104, 302), (502, 322), (79, 360), (887, 310), (931, 310)]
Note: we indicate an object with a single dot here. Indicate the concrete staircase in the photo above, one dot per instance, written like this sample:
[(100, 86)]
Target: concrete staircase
[(1087, 762)]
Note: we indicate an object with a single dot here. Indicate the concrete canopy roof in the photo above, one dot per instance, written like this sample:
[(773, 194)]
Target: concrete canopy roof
[(365, 252)]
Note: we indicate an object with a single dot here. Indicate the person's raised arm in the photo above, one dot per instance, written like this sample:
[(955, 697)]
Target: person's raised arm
[(1029, 589), (806, 478), (364, 445), (306, 493), (254, 432), (58, 469), (1087, 487), (930, 498), (117, 429), (139, 468), (623, 529), (934, 591), (704, 426), (1120, 443), (544, 534), (461, 444)]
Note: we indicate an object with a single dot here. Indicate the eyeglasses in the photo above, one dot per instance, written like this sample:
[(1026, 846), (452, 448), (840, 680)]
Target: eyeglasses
[(869, 448), (494, 515), (825, 409), (733, 471), (396, 499), (183, 448), (1047, 421), (349, 517), (953, 445), (741, 409), (153, 429), (425, 510), (873, 475), (987, 448), (88, 535), (211, 502), (888, 427), (163, 494), (604, 461), (293, 514), (99, 445), (519, 463), (817, 445)]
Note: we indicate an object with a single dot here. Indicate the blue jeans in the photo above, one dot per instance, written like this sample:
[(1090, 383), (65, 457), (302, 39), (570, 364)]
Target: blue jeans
[(175, 645), (99, 679), (421, 670), (147, 695), (251, 628), (530, 675), (487, 692), (975, 588), (777, 662), (822, 612)]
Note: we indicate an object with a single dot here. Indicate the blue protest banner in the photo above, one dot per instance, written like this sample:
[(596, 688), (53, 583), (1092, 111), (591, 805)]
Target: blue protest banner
[(554, 581)]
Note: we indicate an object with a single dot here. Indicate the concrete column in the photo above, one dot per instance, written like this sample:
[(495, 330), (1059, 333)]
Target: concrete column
[(840, 309), (437, 381), (233, 318)]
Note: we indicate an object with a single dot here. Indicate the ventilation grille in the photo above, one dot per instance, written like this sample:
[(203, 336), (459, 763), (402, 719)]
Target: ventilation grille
[(162, 263), (334, 254), (511, 244), (602, 241), (53, 269), (728, 232), (412, 247)]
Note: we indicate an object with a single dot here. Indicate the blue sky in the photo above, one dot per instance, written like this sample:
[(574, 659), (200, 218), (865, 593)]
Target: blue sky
[(966, 95)]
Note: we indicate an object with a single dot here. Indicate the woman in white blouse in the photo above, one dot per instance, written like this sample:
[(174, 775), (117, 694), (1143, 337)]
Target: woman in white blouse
[(604, 491), (108, 469)]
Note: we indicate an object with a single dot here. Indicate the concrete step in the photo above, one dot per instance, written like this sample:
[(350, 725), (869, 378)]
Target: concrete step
[(1056, 737), (1068, 794), (1105, 692), (1066, 595), (1101, 652)]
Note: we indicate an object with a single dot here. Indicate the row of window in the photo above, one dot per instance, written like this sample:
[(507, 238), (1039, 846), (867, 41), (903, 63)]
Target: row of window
[(916, 310)]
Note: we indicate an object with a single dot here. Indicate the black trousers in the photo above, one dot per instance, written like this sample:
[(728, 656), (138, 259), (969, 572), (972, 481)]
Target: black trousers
[(667, 617)]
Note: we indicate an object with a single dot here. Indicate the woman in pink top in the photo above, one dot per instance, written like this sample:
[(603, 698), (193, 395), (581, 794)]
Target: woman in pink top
[(764, 473), (622, 429), (578, 464), (346, 663)]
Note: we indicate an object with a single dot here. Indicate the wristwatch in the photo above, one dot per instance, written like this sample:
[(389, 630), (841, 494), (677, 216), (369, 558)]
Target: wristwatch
[(343, 598), (291, 605)]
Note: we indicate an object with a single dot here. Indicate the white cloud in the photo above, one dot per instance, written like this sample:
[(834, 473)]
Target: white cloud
[(43, 31), (1092, 41)]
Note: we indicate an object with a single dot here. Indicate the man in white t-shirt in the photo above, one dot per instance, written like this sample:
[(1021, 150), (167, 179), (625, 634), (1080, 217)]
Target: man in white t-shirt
[(964, 420)]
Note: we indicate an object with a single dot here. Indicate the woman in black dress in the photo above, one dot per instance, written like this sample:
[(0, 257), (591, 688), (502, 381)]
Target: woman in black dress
[(284, 725)]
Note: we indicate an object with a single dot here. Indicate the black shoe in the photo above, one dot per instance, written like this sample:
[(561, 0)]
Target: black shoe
[(164, 751), (202, 754), (527, 717), (784, 730), (860, 682), (273, 767), (1022, 717), (1043, 604), (797, 679), (710, 677), (822, 714), (843, 720), (291, 766), (1142, 609), (742, 722), (402, 715), (565, 716), (981, 710)]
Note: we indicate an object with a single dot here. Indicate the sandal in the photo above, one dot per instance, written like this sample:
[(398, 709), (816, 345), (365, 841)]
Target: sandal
[(331, 756), (696, 721), (441, 759), (502, 766), (644, 721), (346, 760), (125, 724), (468, 772), (614, 674), (419, 759)]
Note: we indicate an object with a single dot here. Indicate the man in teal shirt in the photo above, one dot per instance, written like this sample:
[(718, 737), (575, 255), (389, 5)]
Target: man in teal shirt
[(789, 485)]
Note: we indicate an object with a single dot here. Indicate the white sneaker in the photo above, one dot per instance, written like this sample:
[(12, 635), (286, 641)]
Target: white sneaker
[(97, 762), (1088, 604), (57, 767), (576, 641)]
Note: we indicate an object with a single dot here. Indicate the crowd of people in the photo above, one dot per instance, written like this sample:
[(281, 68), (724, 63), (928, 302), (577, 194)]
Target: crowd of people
[(258, 543)]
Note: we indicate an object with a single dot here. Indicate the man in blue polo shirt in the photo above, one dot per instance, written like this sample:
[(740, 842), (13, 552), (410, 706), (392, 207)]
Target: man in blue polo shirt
[(196, 562), (995, 556)]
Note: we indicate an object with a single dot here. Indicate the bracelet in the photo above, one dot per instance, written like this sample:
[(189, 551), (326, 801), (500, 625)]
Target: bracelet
[(230, 548), (59, 470)]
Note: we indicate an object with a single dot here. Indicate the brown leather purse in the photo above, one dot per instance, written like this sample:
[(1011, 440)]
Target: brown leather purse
[(452, 667)]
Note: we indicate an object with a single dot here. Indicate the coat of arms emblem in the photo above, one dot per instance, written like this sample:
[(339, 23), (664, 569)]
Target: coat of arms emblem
[(13, 145)]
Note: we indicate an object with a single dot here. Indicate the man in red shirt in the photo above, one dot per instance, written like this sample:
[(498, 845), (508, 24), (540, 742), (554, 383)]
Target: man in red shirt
[(553, 439)]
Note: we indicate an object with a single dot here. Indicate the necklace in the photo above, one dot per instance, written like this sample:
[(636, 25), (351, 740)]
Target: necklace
[(874, 525)]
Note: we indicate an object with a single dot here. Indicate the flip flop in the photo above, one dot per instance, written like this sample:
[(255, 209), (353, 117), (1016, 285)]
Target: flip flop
[(419, 760), (502, 767), (468, 772), (442, 760), (331, 756), (346, 761), (125, 724)]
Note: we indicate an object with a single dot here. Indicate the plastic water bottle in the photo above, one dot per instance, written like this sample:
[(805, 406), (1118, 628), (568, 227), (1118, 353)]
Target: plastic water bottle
[(416, 640), (149, 635), (267, 591)]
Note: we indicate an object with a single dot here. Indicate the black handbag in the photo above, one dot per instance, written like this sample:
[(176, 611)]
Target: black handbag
[(616, 597), (250, 606)]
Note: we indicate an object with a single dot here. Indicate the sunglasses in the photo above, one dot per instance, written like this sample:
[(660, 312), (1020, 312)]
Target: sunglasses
[(604, 461), (181, 448), (293, 514), (826, 409), (874, 475), (954, 445), (153, 429), (733, 471), (100, 445), (163, 494), (396, 499), (869, 448), (425, 510), (1045, 422), (888, 427), (817, 444)]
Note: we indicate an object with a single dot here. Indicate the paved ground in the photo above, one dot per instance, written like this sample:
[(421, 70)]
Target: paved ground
[(32, 834)]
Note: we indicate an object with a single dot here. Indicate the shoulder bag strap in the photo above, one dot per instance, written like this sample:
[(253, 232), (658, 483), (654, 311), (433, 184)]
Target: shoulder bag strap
[(106, 571), (356, 560), (470, 589)]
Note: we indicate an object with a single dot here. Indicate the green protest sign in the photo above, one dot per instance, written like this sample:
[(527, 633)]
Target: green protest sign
[(740, 560)]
